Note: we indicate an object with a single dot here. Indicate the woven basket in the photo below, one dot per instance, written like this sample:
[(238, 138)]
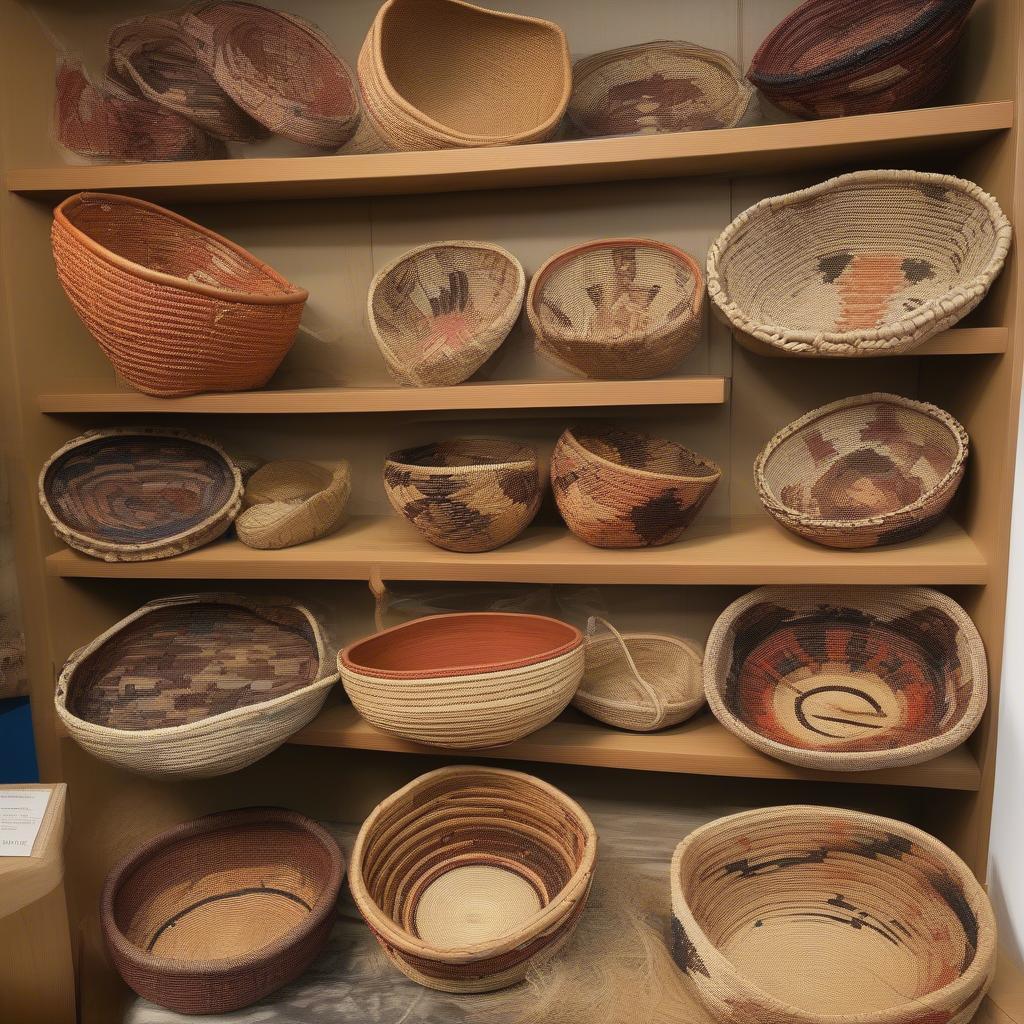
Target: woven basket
[(865, 264), (616, 488), (618, 308), (818, 915), (279, 68), (135, 494), (443, 74), (471, 679), (440, 311), (639, 681), (847, 679), (831, 58), (650, 88), (290, 502), (864, 471), (215, 914), (468, 876), (473, 494)]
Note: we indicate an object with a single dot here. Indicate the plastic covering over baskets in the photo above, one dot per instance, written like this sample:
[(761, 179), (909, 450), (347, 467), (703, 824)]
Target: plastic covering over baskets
[(215, 914), (470, 875), (818, 915)]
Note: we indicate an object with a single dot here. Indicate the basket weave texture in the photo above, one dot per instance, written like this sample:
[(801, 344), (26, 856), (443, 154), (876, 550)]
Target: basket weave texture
[(470, 875), (818, 915), (465, 680), (864, 471), (619, 308), (215, 914), (847, 679), (868, 263)]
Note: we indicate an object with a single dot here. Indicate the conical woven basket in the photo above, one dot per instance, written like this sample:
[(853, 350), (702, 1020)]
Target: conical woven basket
[(865, 264), (864, 471), (818, 915), (618, 308), (470, 875), (848, 678)]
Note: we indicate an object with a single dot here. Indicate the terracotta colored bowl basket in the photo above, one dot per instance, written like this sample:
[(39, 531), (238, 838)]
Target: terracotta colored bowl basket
[(469, 876), (197, 685), (847, 678), (864, 471), (865, 264), (617, 488), (808, 915), (175, 307), (215, 914), (465, 680), (473, 494), (443, 74), (139, 493)]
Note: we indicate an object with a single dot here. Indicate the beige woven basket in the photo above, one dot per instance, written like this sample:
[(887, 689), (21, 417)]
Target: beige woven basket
[(465, 680), (847, 678), (864, 471), (443, 74), (617, 308), (864, 264), (818, 915), (198, 685), (468, 876)]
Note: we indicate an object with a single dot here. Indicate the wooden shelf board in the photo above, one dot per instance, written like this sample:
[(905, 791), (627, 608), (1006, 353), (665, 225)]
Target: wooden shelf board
[(962, 341), (762, 149), (744, 551)]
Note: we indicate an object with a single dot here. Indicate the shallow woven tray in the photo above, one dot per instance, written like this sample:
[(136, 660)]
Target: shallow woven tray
[(863, 264), (617, 308), (134, 494), (440, 311), (863, 471), (217, 913), (817, 915), (470, 679), (650, 88), (469, 875)]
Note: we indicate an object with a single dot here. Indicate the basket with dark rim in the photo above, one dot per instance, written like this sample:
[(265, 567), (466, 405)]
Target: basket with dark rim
[(138, 493), (819, 915), (469, 875), (215, 914), (617, 308), (177, 308), (864, 471), (848, 678)]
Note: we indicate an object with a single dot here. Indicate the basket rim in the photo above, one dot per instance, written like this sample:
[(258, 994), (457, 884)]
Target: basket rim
[(290, 293), (529, 460)]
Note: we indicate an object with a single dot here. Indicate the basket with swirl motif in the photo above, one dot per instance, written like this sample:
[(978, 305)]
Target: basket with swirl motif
[(820, 915), (864, 471), (214, 914), (468, 876), (847, 679), (617, 488)]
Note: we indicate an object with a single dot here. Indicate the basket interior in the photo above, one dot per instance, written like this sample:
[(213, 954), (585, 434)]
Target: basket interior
[(668, 667), (289, 481), (464, 454), (640, 451)]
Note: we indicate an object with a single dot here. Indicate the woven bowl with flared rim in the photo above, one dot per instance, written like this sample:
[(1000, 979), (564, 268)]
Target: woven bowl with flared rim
[(617, 308), (468, 876), (864, 471), (440, 311), (868, 263), (177, 308), (468, 679), (443, 74), (197, 685), (848, 678), (617, 488), (819, 915), (650, 88), (216, 913), (471, 494), (139, 493)]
